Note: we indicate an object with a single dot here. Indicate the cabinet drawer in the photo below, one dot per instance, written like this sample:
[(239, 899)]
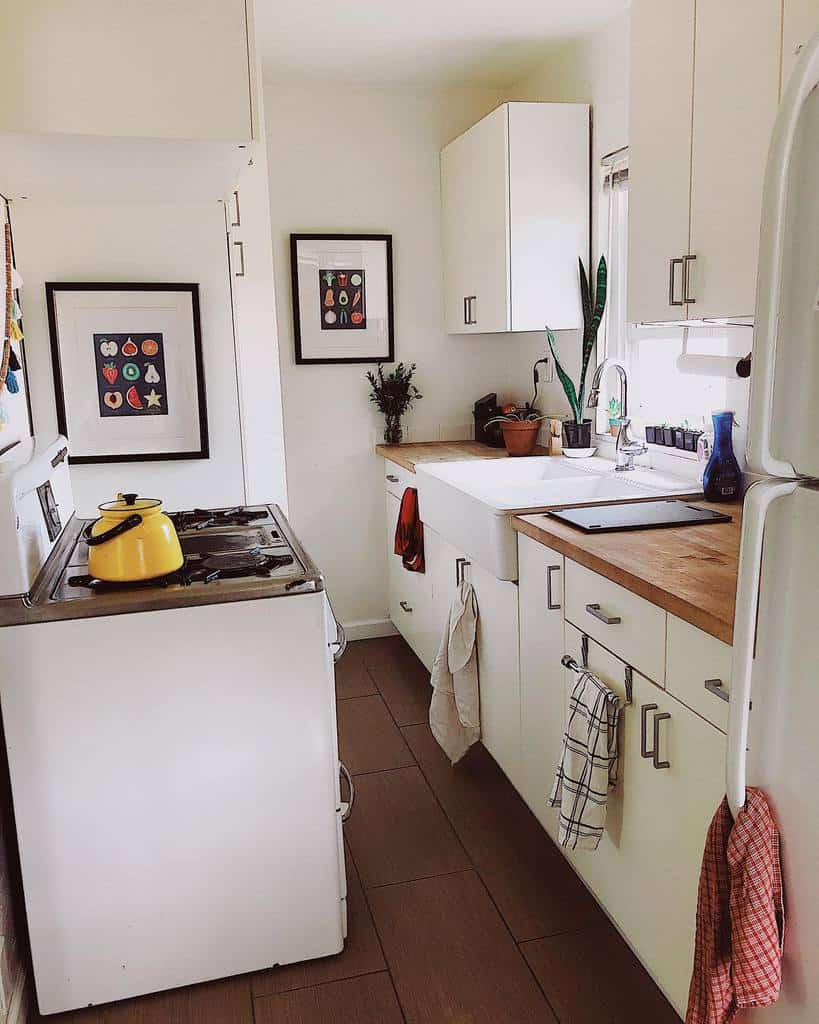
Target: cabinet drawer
[(626, 624), (694, 658), (397, 479)]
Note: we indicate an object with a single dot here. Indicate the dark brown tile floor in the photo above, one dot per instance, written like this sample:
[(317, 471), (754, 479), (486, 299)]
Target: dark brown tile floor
[(461, 910)]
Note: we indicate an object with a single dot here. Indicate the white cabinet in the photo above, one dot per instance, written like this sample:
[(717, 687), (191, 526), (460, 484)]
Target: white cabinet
[(155, 69), (801, 20), (662, 67), (698, 671), (410, 595), (515, 210), (542, 698), (498, 669), (703, 102), (646, 870), (736, 93)]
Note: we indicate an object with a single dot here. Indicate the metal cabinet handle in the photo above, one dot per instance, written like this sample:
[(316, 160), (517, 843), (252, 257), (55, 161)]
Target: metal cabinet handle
[(461, 565), (469, 310), (393, 479), (550, 603), (672, 280), (237, 221), (716, 687), (644, 710), (598, 613), (655, 754), (241, 271), (406, 607), (687, 296), (345, 771)]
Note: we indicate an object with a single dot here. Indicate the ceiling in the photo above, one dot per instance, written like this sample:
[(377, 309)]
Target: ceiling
[(419, 43)]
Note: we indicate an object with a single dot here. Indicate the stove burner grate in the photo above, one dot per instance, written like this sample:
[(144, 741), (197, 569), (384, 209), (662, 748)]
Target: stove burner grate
[(202, 519), (231, 566)]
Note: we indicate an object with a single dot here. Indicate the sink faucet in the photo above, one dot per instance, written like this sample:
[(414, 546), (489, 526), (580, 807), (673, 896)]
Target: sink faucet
[(627, 446)]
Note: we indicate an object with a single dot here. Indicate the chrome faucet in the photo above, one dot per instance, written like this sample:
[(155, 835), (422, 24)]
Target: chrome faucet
[(627, 446)]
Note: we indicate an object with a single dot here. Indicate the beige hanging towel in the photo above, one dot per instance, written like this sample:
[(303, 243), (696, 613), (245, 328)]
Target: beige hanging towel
[(454, 712)]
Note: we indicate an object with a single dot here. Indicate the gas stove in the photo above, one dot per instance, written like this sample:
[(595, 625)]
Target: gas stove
[(231, 554)]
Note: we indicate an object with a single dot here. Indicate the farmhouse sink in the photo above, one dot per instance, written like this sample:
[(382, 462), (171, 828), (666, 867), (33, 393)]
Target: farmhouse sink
[(471, 503)]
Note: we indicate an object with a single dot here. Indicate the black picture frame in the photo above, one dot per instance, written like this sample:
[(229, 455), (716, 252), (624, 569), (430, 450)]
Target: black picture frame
[(301, 360), (52, 288)]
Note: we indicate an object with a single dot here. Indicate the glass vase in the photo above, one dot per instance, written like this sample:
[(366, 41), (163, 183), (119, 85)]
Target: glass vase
[(393, 431), (722, 478)]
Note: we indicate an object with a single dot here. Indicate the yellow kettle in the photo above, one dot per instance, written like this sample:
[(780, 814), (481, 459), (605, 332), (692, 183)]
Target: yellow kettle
[(133, 540)]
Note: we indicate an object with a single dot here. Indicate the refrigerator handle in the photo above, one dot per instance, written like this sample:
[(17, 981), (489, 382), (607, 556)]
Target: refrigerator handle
[(758, 500), (771, 255)]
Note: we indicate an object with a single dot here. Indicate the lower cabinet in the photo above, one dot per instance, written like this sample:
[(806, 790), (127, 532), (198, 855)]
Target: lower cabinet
[(542, 696), (646, 869)]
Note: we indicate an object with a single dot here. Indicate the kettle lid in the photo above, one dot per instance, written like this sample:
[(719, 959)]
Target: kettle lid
[(130, 503)]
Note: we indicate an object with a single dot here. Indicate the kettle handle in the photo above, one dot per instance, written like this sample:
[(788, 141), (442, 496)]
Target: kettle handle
[(115, 531)]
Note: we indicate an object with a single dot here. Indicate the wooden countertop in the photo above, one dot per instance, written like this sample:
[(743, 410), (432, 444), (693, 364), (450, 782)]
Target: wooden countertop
[(691, 571), (409, 455)]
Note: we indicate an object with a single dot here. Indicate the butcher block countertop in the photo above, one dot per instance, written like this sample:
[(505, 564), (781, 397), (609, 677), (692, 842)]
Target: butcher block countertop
[(409, 455), (691, 571)]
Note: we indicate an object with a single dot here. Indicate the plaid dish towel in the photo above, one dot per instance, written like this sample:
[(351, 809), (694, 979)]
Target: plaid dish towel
[(740, 915), (588, 764)]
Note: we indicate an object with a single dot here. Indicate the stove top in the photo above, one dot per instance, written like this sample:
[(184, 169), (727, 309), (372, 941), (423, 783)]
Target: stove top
[(231, 554)]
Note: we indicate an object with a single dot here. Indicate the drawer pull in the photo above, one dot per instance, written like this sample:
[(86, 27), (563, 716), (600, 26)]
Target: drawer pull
[(715, 686), (598, 613), (551, 604), (405, 607), (656, 752), (393, 479), (644, 710)]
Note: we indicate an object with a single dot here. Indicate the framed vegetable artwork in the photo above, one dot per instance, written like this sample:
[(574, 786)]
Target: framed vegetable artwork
[(342, 298), (128, 378)]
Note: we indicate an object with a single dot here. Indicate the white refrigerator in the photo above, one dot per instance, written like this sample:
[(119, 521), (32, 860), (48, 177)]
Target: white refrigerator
[(775, 744)]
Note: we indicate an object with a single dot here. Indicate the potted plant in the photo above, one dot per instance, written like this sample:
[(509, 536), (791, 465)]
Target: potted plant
[(394, 394), (577, 430), (614, 416), (520, 428)]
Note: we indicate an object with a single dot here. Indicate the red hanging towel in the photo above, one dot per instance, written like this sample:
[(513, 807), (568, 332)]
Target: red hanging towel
[(409, 533), (740, 915)]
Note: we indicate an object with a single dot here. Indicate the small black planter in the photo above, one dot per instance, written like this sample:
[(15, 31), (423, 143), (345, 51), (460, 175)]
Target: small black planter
[(577, 435)]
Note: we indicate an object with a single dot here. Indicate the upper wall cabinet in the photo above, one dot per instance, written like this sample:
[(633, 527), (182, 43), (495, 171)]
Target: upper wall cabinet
[(515, 195), (801, 21), (703, 103), (171, 69)]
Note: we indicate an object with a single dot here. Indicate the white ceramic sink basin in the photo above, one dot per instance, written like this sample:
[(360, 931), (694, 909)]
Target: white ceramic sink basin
[(471, 503)]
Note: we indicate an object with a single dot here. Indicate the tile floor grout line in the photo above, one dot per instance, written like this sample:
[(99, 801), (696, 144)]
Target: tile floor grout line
[(381, 771), (378, 937), (315, 984), (422, 878)]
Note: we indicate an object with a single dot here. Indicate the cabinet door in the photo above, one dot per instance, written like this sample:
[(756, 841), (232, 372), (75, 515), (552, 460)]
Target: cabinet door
[(498, 668), (646, 870), (801, 21), (475, 211), (442, 566), (410, 596), (542, 697), (153, 69), (736, 92), (662, 62)]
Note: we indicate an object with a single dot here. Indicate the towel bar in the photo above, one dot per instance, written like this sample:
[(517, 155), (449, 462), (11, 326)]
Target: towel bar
[(567, 661)]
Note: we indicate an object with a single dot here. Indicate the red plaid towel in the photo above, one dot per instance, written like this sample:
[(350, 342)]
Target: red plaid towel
[(740, 915), (409, 533)]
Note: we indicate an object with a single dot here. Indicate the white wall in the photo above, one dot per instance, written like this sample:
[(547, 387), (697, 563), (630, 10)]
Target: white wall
[(349, 160), (129, 242)]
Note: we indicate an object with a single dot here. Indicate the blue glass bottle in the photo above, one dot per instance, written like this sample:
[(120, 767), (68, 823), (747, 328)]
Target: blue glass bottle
[(722, 478)]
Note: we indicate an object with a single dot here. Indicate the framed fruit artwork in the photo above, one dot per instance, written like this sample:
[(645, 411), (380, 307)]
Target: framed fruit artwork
[(342, 298), (128, 376)]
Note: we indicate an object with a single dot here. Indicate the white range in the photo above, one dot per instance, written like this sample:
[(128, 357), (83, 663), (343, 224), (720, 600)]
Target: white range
[(172, 748)]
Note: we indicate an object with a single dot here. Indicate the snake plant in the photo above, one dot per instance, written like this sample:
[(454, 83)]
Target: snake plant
[(594, 305)]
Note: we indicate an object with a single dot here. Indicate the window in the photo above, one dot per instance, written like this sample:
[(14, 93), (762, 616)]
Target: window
[(612, 241)]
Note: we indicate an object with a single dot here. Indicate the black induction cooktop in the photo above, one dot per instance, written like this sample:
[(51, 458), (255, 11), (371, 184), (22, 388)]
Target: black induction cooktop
[(643, 515)]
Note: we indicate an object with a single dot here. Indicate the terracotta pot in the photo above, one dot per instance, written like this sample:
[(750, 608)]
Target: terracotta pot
[(520, 436)]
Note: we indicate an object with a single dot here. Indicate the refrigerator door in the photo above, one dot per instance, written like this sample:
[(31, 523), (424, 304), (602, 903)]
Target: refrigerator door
[(783, 749), (783, 435)]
